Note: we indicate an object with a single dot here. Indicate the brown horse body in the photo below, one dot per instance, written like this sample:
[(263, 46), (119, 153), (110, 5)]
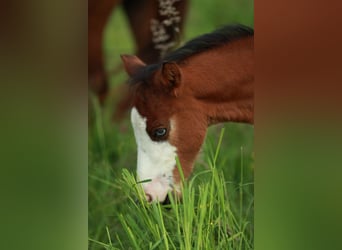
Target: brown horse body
[(209, 80), (139, 14)]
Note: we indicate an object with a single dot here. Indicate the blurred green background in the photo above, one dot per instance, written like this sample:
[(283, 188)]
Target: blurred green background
[(112, 146)]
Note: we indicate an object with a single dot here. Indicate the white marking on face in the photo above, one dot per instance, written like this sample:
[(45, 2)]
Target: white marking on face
[(156, 160)]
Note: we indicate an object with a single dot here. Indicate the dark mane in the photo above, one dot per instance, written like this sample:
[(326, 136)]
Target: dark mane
[(197, 45)]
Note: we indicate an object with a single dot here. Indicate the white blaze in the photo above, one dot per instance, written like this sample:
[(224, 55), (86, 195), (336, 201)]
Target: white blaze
[(156, 160)]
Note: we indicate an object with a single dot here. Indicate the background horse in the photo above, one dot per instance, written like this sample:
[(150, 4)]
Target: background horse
[(142, 15), (207, 81)]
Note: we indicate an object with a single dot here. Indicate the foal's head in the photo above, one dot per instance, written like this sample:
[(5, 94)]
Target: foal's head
[(166, 122)]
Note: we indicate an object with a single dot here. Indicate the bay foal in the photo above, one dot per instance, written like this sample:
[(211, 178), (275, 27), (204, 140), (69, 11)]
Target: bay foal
[(207, 81)]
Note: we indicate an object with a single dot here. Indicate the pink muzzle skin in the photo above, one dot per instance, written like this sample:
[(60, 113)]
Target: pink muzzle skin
[(157, 189)]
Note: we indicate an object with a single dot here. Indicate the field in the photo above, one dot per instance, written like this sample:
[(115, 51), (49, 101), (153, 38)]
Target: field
[(218, 200)]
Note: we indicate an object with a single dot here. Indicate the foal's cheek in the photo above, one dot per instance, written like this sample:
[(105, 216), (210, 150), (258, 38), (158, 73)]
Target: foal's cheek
[(176, 178), (177, 183)]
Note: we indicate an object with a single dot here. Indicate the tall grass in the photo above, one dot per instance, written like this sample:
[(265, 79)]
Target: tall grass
[(207, 217)]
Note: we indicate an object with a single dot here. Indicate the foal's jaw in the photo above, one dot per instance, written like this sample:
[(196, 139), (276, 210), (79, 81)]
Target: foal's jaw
[(156, 161)]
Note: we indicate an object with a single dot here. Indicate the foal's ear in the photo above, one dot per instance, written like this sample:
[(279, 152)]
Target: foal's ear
[(171, 75), (132, 64)]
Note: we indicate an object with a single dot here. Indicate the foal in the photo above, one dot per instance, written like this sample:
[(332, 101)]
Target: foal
[(207, 81)]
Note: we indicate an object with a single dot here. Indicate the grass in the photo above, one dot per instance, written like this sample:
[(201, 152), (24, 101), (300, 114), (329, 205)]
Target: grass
[(217, 208), (214, 213)]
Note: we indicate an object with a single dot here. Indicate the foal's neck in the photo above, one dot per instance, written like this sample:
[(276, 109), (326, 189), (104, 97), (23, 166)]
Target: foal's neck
[(221, 81)]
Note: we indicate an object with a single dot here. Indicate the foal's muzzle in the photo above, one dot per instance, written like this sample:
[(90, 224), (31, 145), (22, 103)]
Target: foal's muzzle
[(165, 202), (150, 199)]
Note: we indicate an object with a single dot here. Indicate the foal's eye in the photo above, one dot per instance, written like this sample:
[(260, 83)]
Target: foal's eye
[(159, 132)]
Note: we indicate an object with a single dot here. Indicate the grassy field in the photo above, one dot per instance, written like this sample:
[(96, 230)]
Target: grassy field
[(218, 200)]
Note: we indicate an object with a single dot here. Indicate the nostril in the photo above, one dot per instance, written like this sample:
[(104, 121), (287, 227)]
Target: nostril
[(148, 197)]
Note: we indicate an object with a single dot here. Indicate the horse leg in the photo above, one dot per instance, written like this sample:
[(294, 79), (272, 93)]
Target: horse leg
[(140, 14), (98, 14)]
